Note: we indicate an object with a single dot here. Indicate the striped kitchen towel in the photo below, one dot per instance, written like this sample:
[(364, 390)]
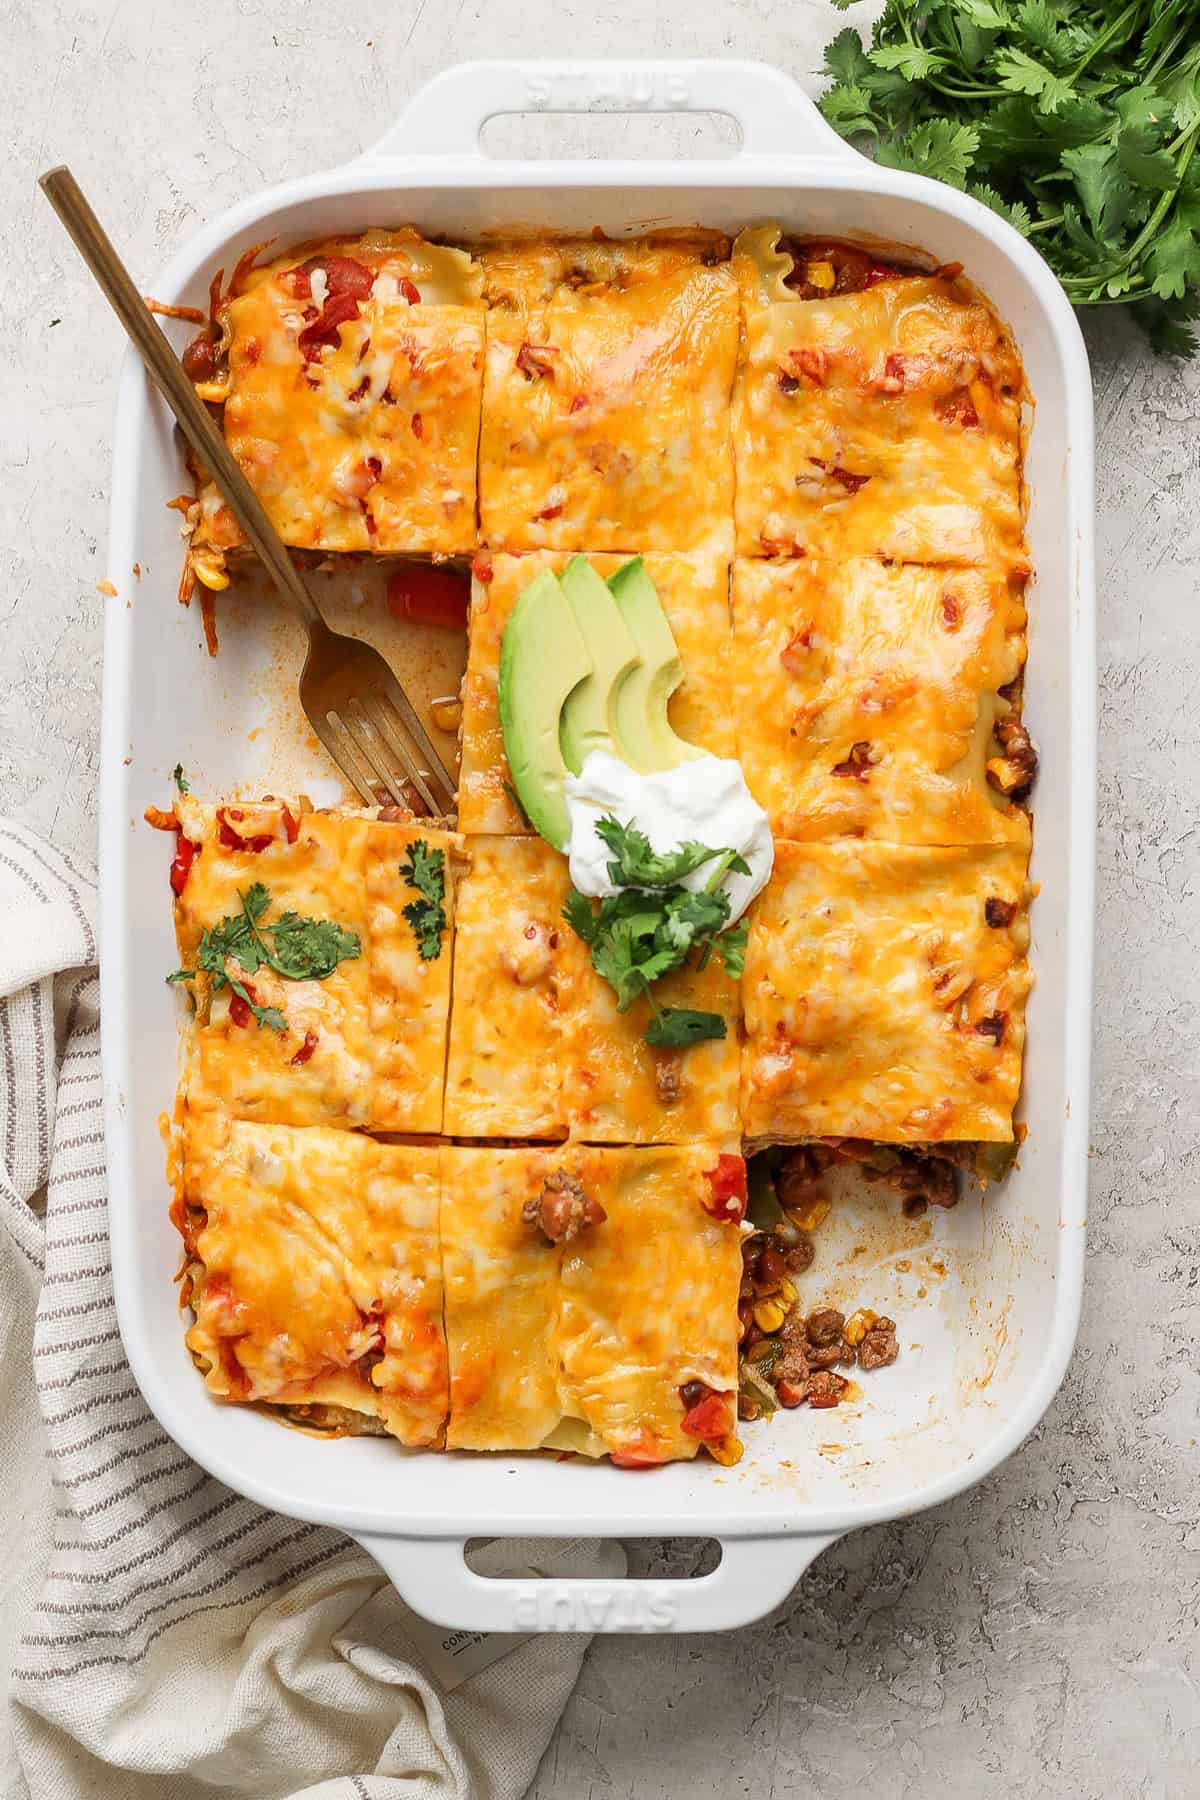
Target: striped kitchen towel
[(166, 1638)]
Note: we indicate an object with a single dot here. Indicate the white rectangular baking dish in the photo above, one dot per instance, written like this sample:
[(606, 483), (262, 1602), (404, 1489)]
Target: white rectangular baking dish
[(996, 1289)]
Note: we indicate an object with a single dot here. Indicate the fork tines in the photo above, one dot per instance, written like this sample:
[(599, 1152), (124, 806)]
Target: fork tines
[(367, 739)]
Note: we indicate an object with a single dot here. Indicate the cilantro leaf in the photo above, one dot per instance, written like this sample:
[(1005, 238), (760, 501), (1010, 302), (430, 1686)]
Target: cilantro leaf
[(637, 865), (913, 61), (579, 916), (1023, 74), (848, 110), (1107, 198), (180, 779), (846, 60), (937, 148), (425, 870), (1017, 214), (677, 1026), (732, 946), (1167, 325), (298, 948), (1174, 257), (311, 949)]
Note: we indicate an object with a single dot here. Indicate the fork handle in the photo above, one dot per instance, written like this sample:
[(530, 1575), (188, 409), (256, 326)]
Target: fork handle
[(164, 367)]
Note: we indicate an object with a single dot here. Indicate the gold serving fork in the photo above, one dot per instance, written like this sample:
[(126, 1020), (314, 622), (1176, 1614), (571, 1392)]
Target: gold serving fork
[(353, 701)]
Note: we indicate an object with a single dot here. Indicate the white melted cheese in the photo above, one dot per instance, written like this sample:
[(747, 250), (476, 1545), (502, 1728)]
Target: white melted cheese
[(705, 799), (319, 287)]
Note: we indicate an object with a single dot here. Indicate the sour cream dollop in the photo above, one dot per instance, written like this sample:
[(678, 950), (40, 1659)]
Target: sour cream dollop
[(705, 800)]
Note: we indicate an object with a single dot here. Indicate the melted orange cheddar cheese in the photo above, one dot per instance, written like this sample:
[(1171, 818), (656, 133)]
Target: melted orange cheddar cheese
[(365, 1046), (584, 1345), (504, 1074), (606, 399), (617, 1088), (352, 401), (879, 1000), (537, 1046), (314, 1271), (880, 423), (866, 693), (694, 594)]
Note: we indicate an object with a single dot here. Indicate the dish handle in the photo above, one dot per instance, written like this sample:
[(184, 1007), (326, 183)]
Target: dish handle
[(754, 1575), (445, 117)]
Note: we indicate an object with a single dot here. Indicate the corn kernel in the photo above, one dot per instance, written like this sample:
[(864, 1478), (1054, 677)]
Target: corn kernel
[(808, 1217), (821, 275), (858, 1325), (1004, 774), (726, 1451), (447, 712), (787, 1293), (769, 1315), (210, 569)]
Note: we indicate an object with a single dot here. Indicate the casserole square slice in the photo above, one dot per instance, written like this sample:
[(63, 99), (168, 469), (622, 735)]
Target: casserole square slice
[(352, 384), (584, 1344), (606, 400), (504, 1071), (694, 591), (866, 695), (537, 1046), (311, 1263), (884, 422), (617, 1088), (884, 994), (364, 1046)]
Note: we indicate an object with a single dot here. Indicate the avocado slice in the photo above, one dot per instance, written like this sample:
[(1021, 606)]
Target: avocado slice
[(543, 657), (646, 735), (588, 716)]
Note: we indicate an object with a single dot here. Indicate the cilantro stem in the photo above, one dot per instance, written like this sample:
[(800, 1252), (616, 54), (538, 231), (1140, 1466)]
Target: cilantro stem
[(726, 857), (1106, 37)]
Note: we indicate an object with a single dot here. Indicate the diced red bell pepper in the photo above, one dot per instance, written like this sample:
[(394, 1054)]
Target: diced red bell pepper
[(727, 1197), (429, 596)]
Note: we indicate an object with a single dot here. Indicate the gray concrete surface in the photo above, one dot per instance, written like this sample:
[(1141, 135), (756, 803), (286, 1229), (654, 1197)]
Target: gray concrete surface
[(1037, 1637)]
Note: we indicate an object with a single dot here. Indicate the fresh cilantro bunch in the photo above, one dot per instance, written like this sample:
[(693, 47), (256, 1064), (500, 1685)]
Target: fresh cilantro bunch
[(298, 948), (653, 925), (425, 870), (1078, 123)]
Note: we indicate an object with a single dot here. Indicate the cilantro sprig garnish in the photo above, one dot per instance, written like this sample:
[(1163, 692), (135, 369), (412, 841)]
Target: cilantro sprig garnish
[(182, 786), (653, 925), (425, 870), (635, 864), (296, 947), (675, 1027), (1077, 122)]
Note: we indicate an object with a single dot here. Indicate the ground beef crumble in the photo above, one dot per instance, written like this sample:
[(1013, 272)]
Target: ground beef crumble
[(563, 1209)]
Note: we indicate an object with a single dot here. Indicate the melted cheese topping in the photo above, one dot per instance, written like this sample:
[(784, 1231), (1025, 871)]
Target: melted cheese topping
[(694, 594), (541, 1334), (903, 662), (878, 1001), (606, 411), (379, 1020), (537, 1046), (618, 1088), (316, 1274), (530, 272), (881, 423), (370, 445), (504, 1075)]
